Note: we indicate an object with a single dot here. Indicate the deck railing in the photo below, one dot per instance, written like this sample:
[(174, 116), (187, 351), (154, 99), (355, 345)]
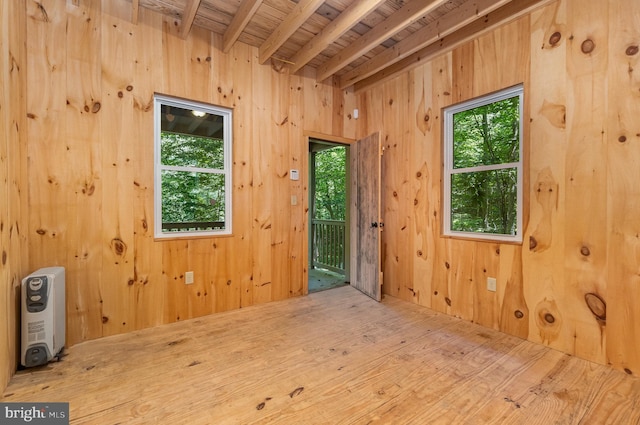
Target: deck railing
[(328, 244)]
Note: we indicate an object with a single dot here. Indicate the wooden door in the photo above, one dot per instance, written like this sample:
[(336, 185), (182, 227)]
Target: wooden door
[(366, 225)]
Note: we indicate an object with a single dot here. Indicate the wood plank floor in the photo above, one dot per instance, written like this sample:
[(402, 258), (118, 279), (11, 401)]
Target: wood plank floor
[(333, 357)]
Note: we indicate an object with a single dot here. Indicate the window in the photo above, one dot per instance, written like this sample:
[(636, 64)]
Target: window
[(483, 167), (192, 168)]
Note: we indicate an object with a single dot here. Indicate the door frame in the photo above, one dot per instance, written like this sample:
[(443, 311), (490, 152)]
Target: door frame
[(305, 174)]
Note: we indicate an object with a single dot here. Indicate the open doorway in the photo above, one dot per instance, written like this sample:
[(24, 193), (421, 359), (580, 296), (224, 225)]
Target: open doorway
[(328, 215)]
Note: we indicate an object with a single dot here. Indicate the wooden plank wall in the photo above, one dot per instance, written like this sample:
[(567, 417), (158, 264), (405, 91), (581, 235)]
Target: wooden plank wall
[(12, 179), (573, 283), (91, 76)]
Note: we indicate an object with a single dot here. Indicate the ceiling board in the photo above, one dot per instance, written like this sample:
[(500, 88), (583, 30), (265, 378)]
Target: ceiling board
[(269, 16)]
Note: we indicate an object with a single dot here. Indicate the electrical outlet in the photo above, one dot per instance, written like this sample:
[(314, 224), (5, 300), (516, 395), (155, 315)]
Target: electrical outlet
[(188, 278), (491, 284)]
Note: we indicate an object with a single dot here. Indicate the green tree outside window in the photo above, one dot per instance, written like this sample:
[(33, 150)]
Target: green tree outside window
[(483, 167)]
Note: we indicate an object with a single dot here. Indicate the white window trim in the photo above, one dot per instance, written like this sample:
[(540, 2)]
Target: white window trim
[(449, 170), (227, 115)]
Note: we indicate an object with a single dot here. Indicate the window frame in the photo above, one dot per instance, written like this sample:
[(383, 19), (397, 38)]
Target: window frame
[(449, 170), (160, 100)]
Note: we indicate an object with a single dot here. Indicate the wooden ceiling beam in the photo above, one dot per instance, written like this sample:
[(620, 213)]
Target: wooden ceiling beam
[(336, 28), (445, 25), (298, 16), (188, 15), (245, 12), (501, 16), (395, 23)]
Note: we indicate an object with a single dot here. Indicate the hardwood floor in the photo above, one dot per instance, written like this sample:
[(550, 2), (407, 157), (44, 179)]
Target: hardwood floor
[(333, 357)]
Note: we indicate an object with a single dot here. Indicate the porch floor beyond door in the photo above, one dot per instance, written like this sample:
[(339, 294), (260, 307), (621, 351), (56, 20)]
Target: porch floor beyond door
[(321, 279)]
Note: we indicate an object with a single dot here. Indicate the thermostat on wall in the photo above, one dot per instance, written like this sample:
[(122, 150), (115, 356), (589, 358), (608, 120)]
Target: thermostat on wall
[(295, 175)]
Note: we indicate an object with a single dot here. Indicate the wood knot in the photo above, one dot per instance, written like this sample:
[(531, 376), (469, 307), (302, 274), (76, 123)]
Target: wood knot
[(419, 253), (395, 194), (631, 50), (130, 282), (118, 247), (228, 282), (555, 38), (447, 265), (588, 46), (120, 94), (129, 87), (390, 102), (96, 107), (628, 371), (88, 189), (448, 301), (435, 292), (41, 232), (419, 174), (585, 251), (518, 314), (533, 243), (622, 139), (296, 392), (415, 202), (548, 317), (86, 108), (43, 11), (105, 319), (427, 118), (597, 305), (4, 257)]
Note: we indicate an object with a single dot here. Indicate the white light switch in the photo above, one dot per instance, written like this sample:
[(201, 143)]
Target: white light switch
[(294, 200), (295, 174), (491, 284), (188, 278)]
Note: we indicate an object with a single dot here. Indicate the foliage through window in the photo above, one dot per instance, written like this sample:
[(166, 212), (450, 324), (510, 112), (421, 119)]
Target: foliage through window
[(483, 167), (192, 168)]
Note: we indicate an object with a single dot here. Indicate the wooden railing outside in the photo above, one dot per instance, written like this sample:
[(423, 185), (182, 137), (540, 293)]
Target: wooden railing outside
[(329, 244)]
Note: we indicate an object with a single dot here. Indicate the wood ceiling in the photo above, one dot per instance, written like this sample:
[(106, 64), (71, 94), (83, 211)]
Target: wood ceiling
[(360, 42)]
